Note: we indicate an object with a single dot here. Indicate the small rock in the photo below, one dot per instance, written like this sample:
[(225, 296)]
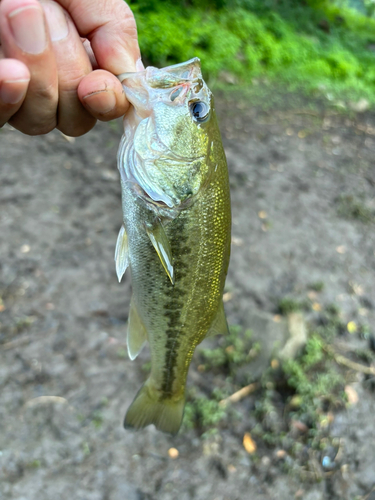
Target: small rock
[(314, 495), (297, 336), (360, 106), (227, 77)]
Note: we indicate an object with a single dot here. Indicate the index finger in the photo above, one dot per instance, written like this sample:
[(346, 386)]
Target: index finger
[(110, 26)]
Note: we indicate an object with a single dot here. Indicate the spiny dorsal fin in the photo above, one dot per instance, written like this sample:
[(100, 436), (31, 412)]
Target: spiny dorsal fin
[(137, 334), (161, 244), (219, 325), (121, 253)]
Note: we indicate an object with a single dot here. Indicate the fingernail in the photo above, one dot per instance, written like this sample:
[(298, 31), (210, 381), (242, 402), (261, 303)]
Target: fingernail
[(101, 102), (56, 20), (139, 65), (12, 92), (27, 25)]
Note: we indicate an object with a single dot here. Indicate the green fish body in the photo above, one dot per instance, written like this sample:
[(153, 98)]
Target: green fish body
[(176, 232)]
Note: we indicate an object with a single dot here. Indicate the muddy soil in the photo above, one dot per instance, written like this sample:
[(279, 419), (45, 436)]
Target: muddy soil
[(303, 196)]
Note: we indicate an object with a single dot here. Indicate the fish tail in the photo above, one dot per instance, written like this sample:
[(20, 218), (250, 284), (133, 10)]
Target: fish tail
[(147, 408)]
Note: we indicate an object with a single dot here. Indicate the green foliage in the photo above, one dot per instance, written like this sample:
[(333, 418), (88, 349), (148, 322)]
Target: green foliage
[(288, 305), (317, 286), (203, 412), (351, 207), (316, 45), (314, 379), (234, 350)]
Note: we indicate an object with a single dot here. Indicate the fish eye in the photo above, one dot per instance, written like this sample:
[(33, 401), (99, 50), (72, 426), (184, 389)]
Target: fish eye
[(199, 110)]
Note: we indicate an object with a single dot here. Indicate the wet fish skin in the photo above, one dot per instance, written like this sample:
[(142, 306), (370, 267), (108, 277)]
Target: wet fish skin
[(176, 236)]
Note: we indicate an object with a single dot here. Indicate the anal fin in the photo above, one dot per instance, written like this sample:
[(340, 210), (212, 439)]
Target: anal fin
[(137, 334), (162, 246), (219, 325), (121, 253)]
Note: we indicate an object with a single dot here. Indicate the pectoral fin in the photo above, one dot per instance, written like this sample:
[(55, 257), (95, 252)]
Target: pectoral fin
[(161, 244), (137, 334), (219, 325), (121, 253)]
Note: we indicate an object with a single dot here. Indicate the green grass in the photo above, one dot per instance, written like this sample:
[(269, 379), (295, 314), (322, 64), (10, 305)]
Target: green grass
[(352, 207), (302, 391), (270, 41), (234, 350), (203, 412)]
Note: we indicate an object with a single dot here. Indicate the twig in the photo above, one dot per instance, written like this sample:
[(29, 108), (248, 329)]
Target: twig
[(14, 343), (305, 112), (342, 360), (45, 399), (238, 395)]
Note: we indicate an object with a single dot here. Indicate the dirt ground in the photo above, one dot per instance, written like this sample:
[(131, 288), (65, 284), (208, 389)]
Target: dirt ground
[(65, 379)]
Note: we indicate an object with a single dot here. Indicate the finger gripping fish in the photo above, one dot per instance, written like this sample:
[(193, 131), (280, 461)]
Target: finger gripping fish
[(176, 232)]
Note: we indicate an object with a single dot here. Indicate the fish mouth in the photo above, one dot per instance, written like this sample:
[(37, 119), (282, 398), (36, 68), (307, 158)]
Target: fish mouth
[(168, 77)]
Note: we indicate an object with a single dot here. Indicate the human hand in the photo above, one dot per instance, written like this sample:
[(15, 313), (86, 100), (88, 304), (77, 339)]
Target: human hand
[(50, 77)]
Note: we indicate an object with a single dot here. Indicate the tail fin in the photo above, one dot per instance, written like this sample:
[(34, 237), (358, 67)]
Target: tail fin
[(147, 409)]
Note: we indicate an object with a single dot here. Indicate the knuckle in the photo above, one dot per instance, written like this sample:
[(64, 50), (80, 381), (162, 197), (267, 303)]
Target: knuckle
[(32, 128), (77, 129), (46, 94)]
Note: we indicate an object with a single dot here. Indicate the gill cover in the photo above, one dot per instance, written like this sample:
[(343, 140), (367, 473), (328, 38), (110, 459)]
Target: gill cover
[(166, 139)]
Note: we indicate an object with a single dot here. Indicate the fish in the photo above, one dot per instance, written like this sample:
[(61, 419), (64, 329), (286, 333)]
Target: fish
[(176, 231)]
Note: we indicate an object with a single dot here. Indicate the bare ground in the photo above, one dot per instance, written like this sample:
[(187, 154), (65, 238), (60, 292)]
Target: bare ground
[(303, 198)]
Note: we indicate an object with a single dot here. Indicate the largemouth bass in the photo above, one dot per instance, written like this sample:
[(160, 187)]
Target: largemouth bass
[(176, 232)]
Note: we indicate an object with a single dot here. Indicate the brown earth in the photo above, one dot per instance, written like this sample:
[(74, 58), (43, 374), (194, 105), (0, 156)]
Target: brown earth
[(65, 379)]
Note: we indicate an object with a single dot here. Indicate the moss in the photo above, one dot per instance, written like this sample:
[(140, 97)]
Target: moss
[(234, 350), (203, 413), (288, 305), (352, 207), (317, 286)]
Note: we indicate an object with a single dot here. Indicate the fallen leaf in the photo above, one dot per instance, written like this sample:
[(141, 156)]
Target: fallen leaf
[(249, 444), (275, 364), (262, 214), (351, 395), (352, 327), (316, 306), (173, 453)]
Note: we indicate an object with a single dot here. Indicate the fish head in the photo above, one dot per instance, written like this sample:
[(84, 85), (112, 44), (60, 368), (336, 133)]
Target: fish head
[(171, 129)]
